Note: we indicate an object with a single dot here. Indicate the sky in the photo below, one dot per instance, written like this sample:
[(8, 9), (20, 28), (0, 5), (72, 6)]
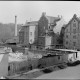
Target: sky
[(32, 10)]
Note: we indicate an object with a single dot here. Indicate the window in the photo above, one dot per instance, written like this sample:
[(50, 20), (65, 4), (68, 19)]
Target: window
[(74, 43), (66, 36), (74, 31), (74, 24), (74, 36)]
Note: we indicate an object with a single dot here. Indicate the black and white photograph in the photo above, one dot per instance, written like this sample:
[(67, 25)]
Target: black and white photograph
[(40, 40)]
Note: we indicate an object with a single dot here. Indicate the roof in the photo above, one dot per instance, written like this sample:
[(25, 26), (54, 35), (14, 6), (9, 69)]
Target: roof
[(74, 17), (32, 23), (52, 20)]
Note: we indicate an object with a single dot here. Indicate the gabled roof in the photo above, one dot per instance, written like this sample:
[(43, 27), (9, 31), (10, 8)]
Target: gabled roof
[(52, 20), (74, 17)]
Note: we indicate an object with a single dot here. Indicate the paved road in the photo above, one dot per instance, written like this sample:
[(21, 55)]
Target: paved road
[(68, 73)]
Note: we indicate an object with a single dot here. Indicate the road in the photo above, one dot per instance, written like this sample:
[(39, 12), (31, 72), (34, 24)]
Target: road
[(67, 73)]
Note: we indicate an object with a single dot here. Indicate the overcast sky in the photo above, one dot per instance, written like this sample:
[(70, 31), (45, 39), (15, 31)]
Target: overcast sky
[(33, 9)]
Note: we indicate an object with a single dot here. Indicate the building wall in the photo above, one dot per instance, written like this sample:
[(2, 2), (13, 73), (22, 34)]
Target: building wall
[(42, 26), (72, 34), (48, 41), (21, 37), (33, 34), (28, 34), (36, 34), (41, 42), (24, 35), (54, 39)]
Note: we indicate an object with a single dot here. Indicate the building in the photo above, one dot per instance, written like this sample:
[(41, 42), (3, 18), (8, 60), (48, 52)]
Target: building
[(39, 33), (72, 33), (46, 25), (28, 33)]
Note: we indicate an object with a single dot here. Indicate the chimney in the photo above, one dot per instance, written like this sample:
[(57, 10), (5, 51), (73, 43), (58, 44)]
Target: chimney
[(44, 14), (15, 25)]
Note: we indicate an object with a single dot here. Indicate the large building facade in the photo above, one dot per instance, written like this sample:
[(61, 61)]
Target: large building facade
[(72, 33)]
